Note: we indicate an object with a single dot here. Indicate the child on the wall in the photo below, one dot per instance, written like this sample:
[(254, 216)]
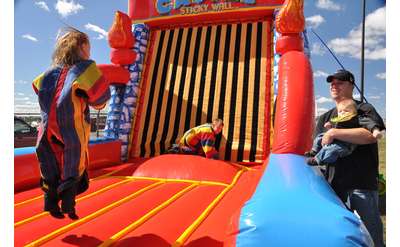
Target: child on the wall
[(199, 140), (65, 92)]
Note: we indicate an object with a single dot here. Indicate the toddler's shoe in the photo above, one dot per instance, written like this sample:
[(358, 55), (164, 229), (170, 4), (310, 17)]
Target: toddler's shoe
[(311, 153), (312, 161)]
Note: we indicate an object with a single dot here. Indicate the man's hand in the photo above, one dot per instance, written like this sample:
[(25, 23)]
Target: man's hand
[(377, 133), (328, 125), (328, 137), (355, 135)]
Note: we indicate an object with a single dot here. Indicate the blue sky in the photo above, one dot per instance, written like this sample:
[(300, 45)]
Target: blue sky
[(339, 24), (337, 21)]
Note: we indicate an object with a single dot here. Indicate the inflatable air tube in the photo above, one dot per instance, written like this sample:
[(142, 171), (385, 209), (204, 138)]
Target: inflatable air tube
[(26, 169), (102, 153), (294, 206), (115, 74), (289, 42), (294, 122), (122, 56), (120, 34)]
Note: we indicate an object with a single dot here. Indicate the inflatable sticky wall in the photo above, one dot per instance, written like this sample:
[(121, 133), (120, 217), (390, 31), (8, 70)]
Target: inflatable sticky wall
[(175, 64)]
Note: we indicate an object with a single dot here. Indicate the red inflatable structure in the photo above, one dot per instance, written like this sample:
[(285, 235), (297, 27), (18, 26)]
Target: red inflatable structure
[(204, 59)]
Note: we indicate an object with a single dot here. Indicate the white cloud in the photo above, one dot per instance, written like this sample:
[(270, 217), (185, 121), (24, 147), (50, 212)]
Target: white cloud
[(322, 104), (102, 33), (320, 110), (21, 99), (29, 37), (375, 38), (27, 108), (374, 97), (356, 95), (328, 5), (67, 7), (381, 76), (20, 82), (317, 49), (322, 100), (26, 105), (20, 94), (315, 20), (320, 73), (42, 5)]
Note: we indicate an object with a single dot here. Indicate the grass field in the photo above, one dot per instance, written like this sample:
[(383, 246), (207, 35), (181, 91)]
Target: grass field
[(382, 170)]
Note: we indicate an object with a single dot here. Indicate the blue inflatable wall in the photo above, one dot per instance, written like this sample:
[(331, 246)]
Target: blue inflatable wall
[(294, 206)]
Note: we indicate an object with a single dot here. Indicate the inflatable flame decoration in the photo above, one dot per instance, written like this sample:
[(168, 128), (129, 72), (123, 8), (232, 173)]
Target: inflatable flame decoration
[(290, 18), (120, 33)]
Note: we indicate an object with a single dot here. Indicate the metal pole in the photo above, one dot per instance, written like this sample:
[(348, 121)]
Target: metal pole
[(337, 60), (362, 53), (97, 124)]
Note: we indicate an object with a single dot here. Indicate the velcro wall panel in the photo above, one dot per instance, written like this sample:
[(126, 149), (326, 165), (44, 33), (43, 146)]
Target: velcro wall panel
[(196, 74)]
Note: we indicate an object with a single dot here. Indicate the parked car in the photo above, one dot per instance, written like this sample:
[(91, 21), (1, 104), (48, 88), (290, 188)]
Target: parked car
[(24, 134)]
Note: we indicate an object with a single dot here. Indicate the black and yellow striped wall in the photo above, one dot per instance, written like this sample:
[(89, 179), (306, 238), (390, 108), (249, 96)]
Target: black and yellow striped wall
[(195, 74)]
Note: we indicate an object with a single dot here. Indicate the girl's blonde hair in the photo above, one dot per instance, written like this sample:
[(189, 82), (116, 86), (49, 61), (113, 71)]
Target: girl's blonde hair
[(68, 47)]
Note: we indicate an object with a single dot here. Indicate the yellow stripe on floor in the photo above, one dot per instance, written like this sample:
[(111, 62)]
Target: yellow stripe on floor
[(85, 219)]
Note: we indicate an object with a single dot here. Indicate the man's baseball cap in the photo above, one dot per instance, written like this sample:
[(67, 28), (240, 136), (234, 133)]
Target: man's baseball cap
[(342, 75)]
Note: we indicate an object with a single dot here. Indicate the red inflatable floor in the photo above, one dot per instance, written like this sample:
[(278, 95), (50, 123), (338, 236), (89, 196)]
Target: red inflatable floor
[(169, 200)]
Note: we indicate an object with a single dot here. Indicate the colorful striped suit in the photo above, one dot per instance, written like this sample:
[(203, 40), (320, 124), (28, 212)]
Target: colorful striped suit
[(65, 94), (201, 140)]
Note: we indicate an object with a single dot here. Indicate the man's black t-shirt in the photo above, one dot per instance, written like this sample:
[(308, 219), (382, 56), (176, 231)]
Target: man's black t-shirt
[(359, 170)]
